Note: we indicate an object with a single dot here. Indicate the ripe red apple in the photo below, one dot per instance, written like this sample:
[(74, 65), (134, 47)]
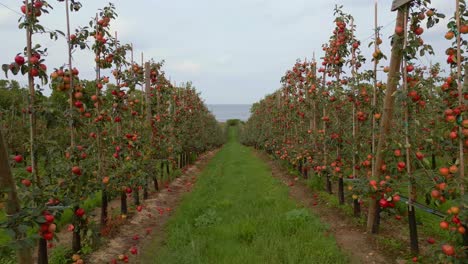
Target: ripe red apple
[(18, 158), (134, 250), (383, 203), (19, 60), (448, 250), (418, 31), (33, 60), (419, 155), (26, 182), (34, 72), (401, 165), (78, 104), (29, 169), (409, 68), (38, 4), (431, 240), (48, 236), (453, 135), (80, 212), (76, 170), (49, 218)]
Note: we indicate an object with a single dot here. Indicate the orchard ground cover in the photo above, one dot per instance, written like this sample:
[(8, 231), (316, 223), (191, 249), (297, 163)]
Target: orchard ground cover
[(238, 213)]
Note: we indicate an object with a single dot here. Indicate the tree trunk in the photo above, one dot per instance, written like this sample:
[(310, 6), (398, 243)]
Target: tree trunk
[(104, 206), (136, 196), (24, 255), (356, 208), (123, 203), (341, 198), (329, 184), (413, 230), (76, 240), (42, 257)]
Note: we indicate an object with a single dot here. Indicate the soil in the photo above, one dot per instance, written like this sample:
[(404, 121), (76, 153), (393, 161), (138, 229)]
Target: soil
[(351, 238), (150, 222), (140, 227)]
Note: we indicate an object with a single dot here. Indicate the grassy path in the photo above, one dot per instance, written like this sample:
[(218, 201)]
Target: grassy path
[(238, 213)]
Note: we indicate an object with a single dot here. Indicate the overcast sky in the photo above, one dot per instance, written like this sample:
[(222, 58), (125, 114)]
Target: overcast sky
[(234, 51)]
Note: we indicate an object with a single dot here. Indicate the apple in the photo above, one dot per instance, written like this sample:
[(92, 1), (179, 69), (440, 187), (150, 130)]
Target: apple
[(80, 212), (444, 225), (431, 240), (33, 60), (419, 155), (78, 104), (19, 60), (76, 170), (418, 31), (134, 250), (435, 194), (444, 171), (49, 218), (48, 236), (455, 210), (449, 35), (26, 182), (409, 68), (18, 158), (448, 250), (34, 72), (38, 4), (399, 30), (52, 228)]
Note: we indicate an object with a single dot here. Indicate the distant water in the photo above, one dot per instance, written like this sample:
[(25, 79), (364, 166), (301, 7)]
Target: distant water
[(224, 112)]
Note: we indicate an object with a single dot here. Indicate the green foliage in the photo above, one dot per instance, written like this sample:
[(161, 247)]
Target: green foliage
[(233, 122), (60, 255)]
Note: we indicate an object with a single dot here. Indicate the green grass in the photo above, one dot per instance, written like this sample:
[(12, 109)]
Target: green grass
[(238, 213)]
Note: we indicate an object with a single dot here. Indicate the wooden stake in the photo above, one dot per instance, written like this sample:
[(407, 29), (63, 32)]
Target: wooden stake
[(460, 100), (411, 187), (387, 115), (70, 68)]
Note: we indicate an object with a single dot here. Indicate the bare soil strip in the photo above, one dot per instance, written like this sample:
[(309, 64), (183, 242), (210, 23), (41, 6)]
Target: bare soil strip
[(150, 222)]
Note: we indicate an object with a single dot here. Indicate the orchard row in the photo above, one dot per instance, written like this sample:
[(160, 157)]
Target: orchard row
[(102, 137), (379, 141)]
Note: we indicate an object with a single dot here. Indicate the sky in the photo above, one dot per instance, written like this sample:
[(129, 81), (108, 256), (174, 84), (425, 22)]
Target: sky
[(234, 52)]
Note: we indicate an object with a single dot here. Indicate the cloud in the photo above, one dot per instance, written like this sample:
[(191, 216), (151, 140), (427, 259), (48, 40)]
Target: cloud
[(8, 19), (187, 67)]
